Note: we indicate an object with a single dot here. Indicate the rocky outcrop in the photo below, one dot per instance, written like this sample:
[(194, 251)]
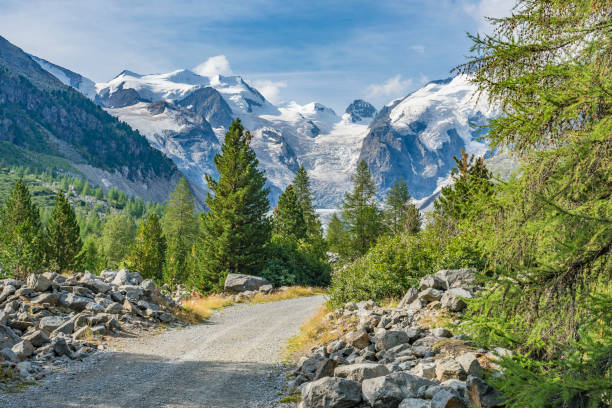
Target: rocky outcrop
[(236, 283), (398, 357), (51, 319)]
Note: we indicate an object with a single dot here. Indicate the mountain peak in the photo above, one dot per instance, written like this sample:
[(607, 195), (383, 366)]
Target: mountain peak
[(360, 110)]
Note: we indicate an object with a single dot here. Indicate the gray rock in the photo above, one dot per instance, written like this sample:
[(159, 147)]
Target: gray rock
[(94, 283), (74, 302), (50, 323), (431, 281), (325, 369), (414, 403), (446, 399), (448, 368), (114, 308), (408, 298), (236, 283), (132, 292), (117, 297), (3, 318), (108, 275), (454, 278), (351, 306), (359, 339), (430, 294), (23, 349), (8, 338), (389, 391), (441, 332), (6, 292), (148, 285), (470, 364), (94, 307), (24, 291), (53, 299), (7, 354), (37, 338), (39, 282), (360, 372), (417, 305), (122, 277), (331, 392), (308, 366), (481, 394), (136, 278), (425, 370), (387, 339), (65, 328), (82, 333), (266, 288), (60, 347)]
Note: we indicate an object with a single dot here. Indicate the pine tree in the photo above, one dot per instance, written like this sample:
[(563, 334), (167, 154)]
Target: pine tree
[(336, 235), (235, 230), (288, 220), (148, 254), (64, 236), (360, 212), (90, 256), (180, 228), (22, 250), (117, 236), (400, 214), (301, 186)]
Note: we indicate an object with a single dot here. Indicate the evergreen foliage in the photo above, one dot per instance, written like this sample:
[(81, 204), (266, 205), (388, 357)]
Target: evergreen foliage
[(235, 231), (118, 233), (336, 236), (23, 240), (289, 219), (180, 229), (360, 213), (400, 215), (90, 256), (301, 186), (148, 253), (64, 236)]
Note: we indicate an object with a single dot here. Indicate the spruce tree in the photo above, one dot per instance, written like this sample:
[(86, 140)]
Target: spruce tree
[(400, 214), (117, 236), (288, 220), (22, 250), (336, 235), (301, 186), (148, 254), (90, 256), (235, 231), (360, 212), (180, 228), (64, 236)]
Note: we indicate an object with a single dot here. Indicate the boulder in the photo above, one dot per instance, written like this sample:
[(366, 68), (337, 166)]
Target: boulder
[(408, 298), (331, 392), (52, 299), (114, 308), (94, 283), (37, 338), (448, 369), (387, 339), (6, 292), (441, 332), (122, 277), (325, 369), (470, 364), (60, 347), (148, 286), (414, 403), (359, 339), (481, 394), (430, 294), (431, 281), (389, 391), (8, 338), (266, 288), (446, 399), (74, 302), (308, 366), (132, 292), (425, 370), (360, 372), (454, 278), (38, 282), (23, 349), (65, 328), (50, 323), (236, 283)]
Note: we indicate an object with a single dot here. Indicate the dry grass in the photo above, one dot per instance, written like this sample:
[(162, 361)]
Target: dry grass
[(291, 293)]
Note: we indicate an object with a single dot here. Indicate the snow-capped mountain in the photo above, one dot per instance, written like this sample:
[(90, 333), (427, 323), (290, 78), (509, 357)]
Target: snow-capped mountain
[(84, 85), (185, 115)]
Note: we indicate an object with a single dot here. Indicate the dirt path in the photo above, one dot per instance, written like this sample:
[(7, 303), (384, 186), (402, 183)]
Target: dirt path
[(231, 361)]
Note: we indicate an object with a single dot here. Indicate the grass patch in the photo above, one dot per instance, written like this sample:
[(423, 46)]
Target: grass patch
[(291, 399), (291, 293)]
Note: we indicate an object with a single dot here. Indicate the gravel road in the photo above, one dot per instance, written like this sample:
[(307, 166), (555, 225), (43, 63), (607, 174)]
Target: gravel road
[(230, 361)]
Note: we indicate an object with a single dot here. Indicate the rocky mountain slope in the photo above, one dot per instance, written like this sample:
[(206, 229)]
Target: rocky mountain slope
[(42, 117), (185, 115)]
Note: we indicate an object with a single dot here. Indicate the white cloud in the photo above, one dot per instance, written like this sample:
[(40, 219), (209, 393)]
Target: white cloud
[(393, 87), (218, 65), (488, 8), (270, 89), (418, 48)]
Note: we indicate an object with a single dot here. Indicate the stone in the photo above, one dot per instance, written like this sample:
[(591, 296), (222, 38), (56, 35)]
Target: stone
[(6, 292), (65, 328), (387, 339), (38, 282), (53, 299), (131, 308), (308, 366), (136, 278), (359, 339), (122, 277), (470, 364), (325, 369), (236, 283), (82, 333), (8, 338), (6, 354), (360, 372), (60, 347), (448, 368), (454, 278), (414, 403), (117, 297), (452, 302), (351, 306), (108, 275), (49, 323), (441, 332), (408, 298), (37, 338), (481, 394), (389, 391), (74, 302), (446, 399), (266, 289), (94, 307), (94, 283), (114, 308), (425, 370), (132, 292), (430, 294), (24, 291), (23, 349), (3, 318), (431, 281), (113, 324), (417, 305), (331, 392), (366, 305), (148, 285)]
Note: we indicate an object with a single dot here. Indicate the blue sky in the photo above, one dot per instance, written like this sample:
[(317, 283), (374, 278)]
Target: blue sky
[(326, 51)]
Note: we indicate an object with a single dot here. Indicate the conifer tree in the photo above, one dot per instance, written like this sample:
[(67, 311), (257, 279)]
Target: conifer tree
[(22, 250), (180, 228), (400, 214), (336, 235), (64, 236), (288, 220), (235, 230), (148, 254), (301, 186), (360, 212), (117, 236), (90, 256)]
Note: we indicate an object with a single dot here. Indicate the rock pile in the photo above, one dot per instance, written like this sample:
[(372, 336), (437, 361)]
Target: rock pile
[(399, 357), (242, 287), (51, 318)]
